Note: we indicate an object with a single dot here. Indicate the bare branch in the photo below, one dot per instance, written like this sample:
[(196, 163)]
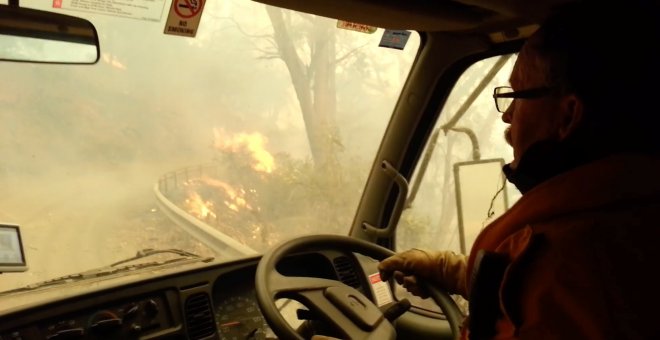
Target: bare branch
[(270, 57), (239, 28), (349, 53), (266, 52), (273, 43)]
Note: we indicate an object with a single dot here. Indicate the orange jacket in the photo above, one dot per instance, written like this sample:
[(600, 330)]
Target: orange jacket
[(581, 251)]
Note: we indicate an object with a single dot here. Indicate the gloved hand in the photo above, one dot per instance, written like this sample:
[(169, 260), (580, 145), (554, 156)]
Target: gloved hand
[(445, 269)]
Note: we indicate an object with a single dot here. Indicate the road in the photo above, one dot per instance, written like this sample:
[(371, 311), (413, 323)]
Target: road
[(71, 223)]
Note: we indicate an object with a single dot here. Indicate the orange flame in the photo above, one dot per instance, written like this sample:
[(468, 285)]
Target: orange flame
[(198, 207), (236, 198), (253, 142)]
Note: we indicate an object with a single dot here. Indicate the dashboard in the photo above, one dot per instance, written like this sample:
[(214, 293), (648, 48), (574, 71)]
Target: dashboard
[(217, 301)]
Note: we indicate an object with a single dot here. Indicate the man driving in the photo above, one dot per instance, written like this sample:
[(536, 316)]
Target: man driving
[(573, 258)]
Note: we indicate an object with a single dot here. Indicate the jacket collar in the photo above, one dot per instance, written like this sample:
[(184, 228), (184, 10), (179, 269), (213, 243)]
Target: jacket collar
[(543, 161)]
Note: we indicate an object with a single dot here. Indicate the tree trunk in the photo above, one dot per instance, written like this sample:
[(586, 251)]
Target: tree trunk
[(314, 85)]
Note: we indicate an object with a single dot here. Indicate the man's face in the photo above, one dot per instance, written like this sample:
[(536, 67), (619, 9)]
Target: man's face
[(531, 120)]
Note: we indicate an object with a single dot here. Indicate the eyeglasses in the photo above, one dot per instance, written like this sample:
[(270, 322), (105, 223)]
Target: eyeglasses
[(504, 95)]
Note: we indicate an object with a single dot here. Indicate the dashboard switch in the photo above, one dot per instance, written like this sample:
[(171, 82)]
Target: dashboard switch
[(135, 328), (151, 308), (396, 310), (131, 311), (106, 326)]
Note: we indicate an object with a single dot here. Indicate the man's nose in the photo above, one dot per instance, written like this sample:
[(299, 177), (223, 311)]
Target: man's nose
[(508, 114)]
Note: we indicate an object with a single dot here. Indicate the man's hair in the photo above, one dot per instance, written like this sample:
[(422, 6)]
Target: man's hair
[(606, 55)]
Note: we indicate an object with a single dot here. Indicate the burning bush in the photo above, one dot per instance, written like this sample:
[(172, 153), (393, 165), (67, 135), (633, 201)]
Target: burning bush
[(260, 199)]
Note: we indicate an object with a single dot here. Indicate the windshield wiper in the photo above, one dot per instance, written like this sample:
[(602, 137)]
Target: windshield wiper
[(113, 269), (149, 252)]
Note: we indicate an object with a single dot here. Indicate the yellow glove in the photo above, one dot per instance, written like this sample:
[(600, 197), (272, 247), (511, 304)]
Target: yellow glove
[(445, 269)]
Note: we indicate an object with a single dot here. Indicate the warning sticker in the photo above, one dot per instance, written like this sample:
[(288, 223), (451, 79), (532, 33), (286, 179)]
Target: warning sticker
[(184, 17), (149, 10), (394, 39), (347, 25), (381, 289)]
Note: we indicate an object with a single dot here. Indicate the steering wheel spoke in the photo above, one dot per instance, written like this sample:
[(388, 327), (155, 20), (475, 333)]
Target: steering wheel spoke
[(280, 284), (352, 325)]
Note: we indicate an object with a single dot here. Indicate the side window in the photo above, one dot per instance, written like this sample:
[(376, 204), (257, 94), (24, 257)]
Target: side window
[(458, 186)]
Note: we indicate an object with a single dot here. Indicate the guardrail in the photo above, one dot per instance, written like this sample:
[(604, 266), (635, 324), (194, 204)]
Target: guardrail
[(220, 243), (174, 179)]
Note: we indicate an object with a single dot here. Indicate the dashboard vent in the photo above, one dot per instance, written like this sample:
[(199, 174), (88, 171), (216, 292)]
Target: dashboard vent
[(199, 317), (346, 271)]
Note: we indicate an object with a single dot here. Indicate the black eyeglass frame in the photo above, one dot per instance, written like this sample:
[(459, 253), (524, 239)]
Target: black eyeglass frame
[(522, 94)]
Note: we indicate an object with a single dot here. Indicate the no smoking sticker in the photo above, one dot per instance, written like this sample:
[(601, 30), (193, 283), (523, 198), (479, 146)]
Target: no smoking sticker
[(188, 8), (184, 17)]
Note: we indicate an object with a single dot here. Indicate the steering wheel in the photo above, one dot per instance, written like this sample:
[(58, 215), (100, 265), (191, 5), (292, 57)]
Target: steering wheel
[(345, 308)]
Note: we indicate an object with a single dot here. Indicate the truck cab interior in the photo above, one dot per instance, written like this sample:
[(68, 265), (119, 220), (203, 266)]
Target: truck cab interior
[(232, 169)]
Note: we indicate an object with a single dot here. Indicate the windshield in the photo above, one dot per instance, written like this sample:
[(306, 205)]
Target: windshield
[(260, 128)]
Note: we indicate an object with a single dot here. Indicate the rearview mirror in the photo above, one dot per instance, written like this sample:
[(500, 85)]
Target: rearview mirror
[(31, 35)]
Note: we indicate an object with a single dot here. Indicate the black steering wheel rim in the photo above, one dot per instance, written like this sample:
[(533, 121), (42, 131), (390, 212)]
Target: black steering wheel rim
[(266, 271)]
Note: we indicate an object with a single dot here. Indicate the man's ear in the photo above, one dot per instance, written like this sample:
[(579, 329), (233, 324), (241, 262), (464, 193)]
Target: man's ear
[(571, 115)]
